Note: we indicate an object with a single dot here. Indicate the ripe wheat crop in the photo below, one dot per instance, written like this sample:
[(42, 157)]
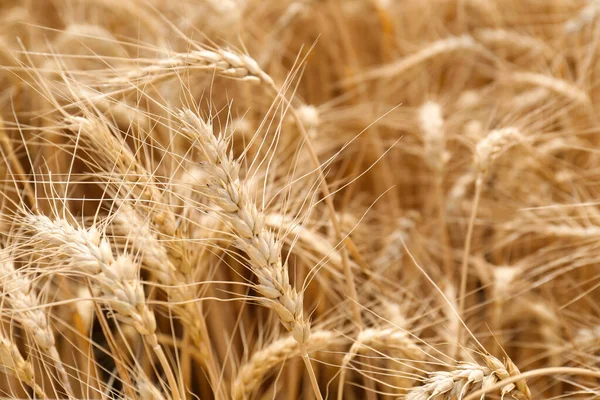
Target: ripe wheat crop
[(299, 199)]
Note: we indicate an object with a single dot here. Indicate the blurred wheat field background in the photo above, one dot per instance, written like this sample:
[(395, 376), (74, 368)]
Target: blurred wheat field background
[(300, 199)]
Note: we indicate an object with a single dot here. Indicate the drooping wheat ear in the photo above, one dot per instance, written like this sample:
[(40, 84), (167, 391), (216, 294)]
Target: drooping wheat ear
[(252, 373), (387, 337), (21, 297), (493, 145), (431, 121), (87, 251), (435, 49), (585, 17), (262, 247), (221, 62), (13, 363), (113, 155), (556, 85), (468, 377)]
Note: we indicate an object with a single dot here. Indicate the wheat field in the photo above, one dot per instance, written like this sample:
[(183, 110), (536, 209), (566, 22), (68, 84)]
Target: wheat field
[(300, 199)]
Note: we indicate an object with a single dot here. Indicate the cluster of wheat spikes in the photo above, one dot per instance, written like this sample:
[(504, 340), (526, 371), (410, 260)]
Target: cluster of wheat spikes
[(300, 199)]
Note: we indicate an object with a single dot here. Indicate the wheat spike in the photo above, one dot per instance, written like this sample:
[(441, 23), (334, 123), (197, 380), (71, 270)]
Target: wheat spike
[(20, 295), (468, 377), (230, 194)]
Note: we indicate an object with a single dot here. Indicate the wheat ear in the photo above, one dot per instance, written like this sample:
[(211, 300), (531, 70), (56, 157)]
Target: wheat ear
[(252, 373), (486, 152), (389, 337), (504, 38), (230, 194), (556, 85), (12, 362), (468, 377), (21, 296), (262, 247), (435, 49), (221, 62), (118, 277)]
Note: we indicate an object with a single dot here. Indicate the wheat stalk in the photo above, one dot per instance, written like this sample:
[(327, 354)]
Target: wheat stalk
[(431, 121), (486, 152)]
